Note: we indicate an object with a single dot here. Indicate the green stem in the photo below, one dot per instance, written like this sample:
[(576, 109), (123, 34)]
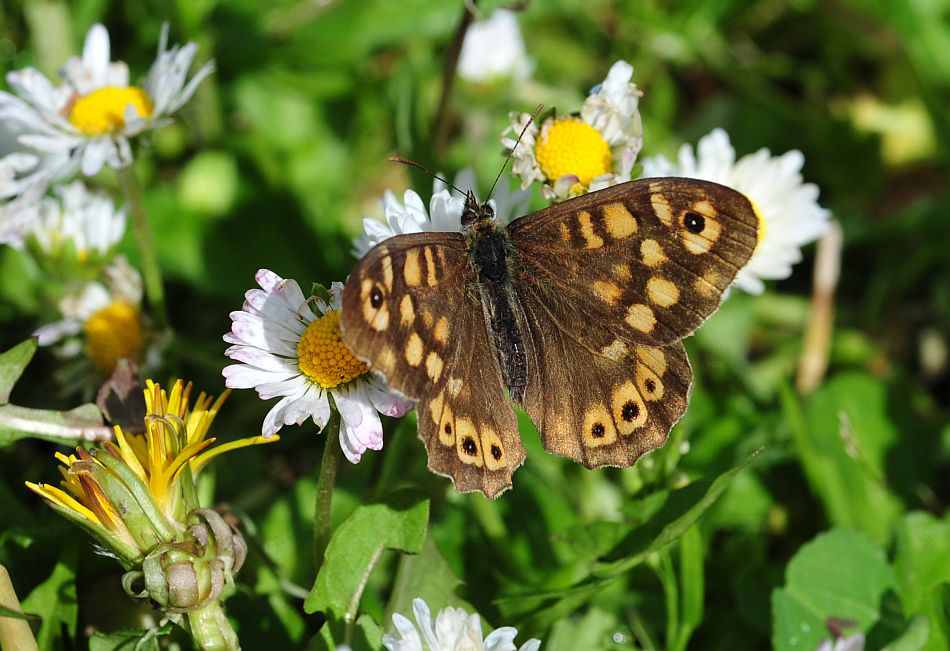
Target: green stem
[(151, 272), (14, 633), (210, 628), (325, 483), (442, 122)]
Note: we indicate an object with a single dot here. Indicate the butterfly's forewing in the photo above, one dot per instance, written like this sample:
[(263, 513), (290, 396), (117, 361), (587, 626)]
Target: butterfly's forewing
[(411, 310), (646, 262), (609, 283)]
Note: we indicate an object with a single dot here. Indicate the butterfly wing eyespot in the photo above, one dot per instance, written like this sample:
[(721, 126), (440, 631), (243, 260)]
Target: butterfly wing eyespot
[(407, 312)]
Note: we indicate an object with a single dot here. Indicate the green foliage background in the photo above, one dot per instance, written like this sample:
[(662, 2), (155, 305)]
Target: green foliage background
[(284, 149)]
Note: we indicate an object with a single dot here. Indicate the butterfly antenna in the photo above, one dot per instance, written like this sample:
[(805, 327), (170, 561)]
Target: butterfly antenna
[(412, 163), (534, 116)]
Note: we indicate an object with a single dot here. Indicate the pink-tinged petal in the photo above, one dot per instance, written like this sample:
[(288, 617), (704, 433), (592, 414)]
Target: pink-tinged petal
[(260, 359), (296, 385), (267, 279), (387, 402)]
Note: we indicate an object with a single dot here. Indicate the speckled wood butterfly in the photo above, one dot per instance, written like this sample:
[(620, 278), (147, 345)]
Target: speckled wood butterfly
[(577, 310)]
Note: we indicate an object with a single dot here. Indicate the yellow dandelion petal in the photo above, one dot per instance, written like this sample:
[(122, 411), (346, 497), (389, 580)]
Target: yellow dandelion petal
[(202, 460)]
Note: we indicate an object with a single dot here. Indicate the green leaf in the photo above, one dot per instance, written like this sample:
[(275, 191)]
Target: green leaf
[(398, 522), (692, 586), (12, 363), (54, 600), (922, 561), (425, 575), (129, 639), (16, 614), (914, 638), (840, 574), (680, 510), (844, 442)]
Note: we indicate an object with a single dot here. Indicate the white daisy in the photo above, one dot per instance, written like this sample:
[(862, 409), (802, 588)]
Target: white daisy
[(493, 49), (88, 220), (851, 643), (572, 155), (454, 630), (86, 122), (290, 346), (104, 320), (445, 211), (20, 191), (788, 209)]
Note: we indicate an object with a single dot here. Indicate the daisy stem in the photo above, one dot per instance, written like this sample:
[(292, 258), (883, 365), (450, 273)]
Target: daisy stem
[(325, 483), (142, 228)]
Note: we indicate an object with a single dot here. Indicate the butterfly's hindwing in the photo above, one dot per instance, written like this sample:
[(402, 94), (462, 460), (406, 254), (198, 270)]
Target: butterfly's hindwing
[(645, 261), (412, 311)]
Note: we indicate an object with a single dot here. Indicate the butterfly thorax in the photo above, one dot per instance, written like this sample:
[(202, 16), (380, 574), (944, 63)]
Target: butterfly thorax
[(490, 253)]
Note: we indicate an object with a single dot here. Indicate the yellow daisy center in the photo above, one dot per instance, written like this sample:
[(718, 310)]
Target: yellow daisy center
[(573, 147), (324, 358), (103, 110), (113, 333)]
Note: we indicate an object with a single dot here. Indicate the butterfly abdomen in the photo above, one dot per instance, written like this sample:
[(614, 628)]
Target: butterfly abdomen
[(490, 251)]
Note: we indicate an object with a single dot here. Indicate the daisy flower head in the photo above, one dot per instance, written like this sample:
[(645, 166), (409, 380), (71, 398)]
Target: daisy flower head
[(289, 346), (453, 630), (19, 196), (582, 153), (85, 222), (103, 320), (789, 214), (86, 122), (493, 49), (444, 214)]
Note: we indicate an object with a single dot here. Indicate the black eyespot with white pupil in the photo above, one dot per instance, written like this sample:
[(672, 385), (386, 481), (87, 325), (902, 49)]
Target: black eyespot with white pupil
[(496, 452), (376, 297), (694, 222), (448, 428), (629, 411), (469, 446), (598, 430)]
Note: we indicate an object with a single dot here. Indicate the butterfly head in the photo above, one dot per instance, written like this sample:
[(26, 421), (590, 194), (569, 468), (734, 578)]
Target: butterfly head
[(476, 213)]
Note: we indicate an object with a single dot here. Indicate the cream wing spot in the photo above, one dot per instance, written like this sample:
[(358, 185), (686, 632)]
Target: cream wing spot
[(662, 208), (467, 442), (652, 253), (598, 428), (618, 221), (386, 360), (454, 386), (407, 312), (608, 292), (662, 292), (591, 239), (654, 358), (387, 264), (629, 411), (441, 332), (434, 366), (707, 285), (435, 407), (447, 432), (494, 449), (648, 383), (431, 278), (414, 350), (412, 269), (641, 317), (565, 232), (622, 272), (616, 350)]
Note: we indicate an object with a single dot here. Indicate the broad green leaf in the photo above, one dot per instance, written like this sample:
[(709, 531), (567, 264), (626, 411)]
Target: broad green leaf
[(692, 586), (592, 630), (843, 443), (922, 561), (427, 576), (12, 363), (395, 522), (54, 600), (840, 574), (914, 638)]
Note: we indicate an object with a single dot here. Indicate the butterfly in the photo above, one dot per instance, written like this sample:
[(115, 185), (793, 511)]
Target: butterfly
[(576, 313)]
